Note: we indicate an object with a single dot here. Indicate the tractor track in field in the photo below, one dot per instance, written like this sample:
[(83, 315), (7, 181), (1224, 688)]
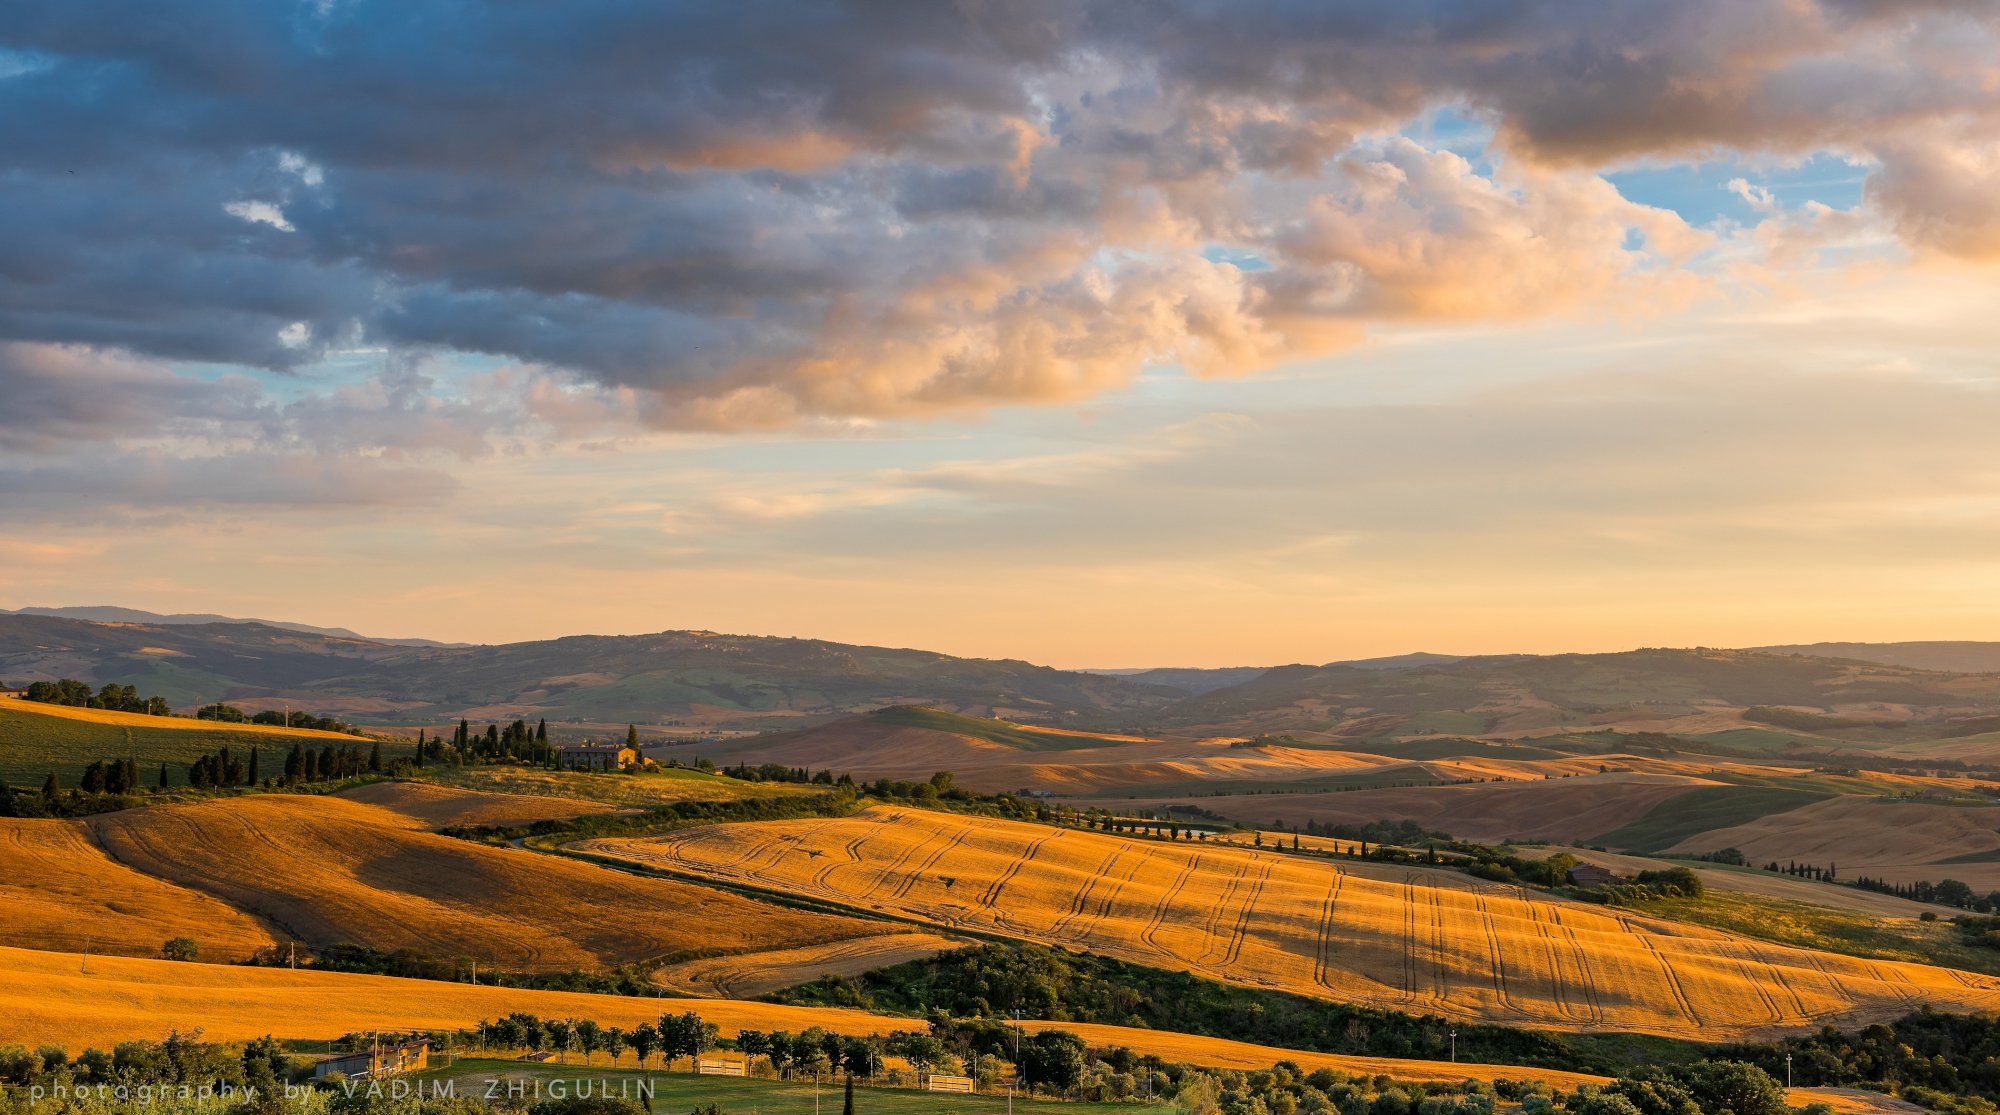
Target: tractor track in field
[(992, 892), (1081, 898), (1673, 978), (1586, 982), (1492, 931), (1323, 946), (911, 878), (1151, 934), (1235, 950), (1211, 928)]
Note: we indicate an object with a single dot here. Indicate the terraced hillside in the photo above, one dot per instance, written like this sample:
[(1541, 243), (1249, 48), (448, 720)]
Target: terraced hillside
[(1407, 939)]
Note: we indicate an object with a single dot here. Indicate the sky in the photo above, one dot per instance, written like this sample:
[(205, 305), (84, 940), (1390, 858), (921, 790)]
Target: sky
[(1100, 333)]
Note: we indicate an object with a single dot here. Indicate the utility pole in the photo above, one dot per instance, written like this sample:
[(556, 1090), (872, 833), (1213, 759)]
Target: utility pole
[(1788, 1070), (1454, 1045)]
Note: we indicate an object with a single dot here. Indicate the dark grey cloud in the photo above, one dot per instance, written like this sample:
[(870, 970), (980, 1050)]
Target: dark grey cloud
[(754, 213)]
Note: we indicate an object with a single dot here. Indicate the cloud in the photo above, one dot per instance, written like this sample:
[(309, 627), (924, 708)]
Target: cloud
[(765, 215)]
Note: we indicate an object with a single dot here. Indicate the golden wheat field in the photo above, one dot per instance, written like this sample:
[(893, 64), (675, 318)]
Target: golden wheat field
[(49, 998), (1408, 939), (65, 999), (748, 975), (59, 890), (438, 807), (1902, 841), (326, 870)]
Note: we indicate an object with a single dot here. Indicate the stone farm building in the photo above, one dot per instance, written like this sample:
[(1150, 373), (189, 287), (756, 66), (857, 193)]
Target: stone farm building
[(380, 1061), (595, 756)]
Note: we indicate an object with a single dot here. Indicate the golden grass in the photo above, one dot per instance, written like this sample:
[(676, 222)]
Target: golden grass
[(327, 870), (140, 721), (638, 791), (750, 975), (48, 998), (439, 807), (58, 890), (1902, 841), (1400, 938)]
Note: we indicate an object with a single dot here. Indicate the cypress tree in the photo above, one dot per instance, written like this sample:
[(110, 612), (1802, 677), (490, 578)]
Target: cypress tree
[(632, 736), (163, 775), (51, 789), (375, 756), (252, 776), (420, 747), (542, 731), (847, 1100)]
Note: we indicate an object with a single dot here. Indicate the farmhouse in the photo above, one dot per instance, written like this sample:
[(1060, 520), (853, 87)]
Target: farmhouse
[(595, 756), (1591, 875), (381, 1061), (7, 694)]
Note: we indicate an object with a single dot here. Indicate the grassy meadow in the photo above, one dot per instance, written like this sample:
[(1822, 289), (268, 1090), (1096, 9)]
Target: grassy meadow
[(38, 739)]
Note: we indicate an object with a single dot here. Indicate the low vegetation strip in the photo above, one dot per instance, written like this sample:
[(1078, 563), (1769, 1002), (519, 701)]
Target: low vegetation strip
[(1260, 919)]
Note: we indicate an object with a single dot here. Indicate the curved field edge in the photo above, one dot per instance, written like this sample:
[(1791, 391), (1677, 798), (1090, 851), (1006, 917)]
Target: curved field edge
[(51, 999), (1406, 939)]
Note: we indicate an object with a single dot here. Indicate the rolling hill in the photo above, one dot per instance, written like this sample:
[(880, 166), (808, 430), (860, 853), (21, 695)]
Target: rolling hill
[(328, 871), (695, 675), (38, 739), (1411, 939), (1527, 695)]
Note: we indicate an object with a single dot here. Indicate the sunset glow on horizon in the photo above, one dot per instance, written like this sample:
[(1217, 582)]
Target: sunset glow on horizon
[(1098, 334)]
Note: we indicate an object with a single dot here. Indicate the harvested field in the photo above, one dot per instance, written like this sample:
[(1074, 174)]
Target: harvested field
[(638, 790), (1400, 938), (1764, 883), (46, 998), (327, 871), (755, 974), (1902, 841), (58, 890), (1567, 810), (437, 807)]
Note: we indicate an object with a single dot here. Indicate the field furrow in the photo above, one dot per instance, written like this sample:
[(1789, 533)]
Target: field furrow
[(1359, 932)]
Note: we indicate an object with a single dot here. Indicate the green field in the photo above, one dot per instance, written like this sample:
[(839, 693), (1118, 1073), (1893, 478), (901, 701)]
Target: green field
[(636, 791), (35, 742), (1702, 809), (681, 1091), (1829, 930), (996, 731)]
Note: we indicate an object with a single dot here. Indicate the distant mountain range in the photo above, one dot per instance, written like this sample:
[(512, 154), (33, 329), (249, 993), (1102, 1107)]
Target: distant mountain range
[(697, 676), (108, 613), (704, 679)]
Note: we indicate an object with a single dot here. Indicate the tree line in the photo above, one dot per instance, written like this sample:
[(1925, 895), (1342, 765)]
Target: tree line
[(78, 694)]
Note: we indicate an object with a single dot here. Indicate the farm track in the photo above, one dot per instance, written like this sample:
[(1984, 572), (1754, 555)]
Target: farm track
[(1323, 945), (1416, 938), (1083, 894), (993, 892)]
